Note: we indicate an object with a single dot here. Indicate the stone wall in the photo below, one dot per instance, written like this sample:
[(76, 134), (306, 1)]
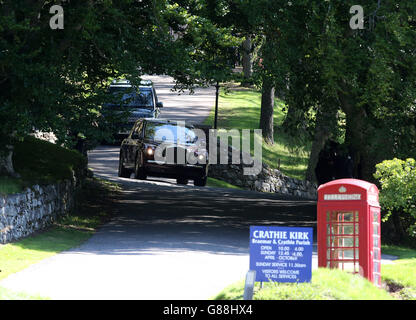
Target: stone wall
[(34, 209), (268, 180)]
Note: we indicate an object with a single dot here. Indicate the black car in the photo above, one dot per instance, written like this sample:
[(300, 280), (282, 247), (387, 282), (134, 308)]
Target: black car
[(131, 103), (164, 148)]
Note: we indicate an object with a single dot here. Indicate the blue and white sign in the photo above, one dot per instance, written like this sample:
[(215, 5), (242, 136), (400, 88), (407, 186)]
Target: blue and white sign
[(281, 254)]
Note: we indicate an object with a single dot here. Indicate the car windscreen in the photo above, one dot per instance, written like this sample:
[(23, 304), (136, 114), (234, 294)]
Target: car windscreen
[(158, 131), (127, 96)]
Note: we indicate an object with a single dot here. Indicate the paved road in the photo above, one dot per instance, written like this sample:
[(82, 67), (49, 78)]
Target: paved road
[(192, 108)]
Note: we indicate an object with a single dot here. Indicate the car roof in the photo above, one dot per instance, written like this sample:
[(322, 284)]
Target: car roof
[(127, 83)]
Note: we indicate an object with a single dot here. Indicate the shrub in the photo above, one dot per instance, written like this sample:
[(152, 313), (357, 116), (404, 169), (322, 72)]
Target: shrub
[(398, 193)]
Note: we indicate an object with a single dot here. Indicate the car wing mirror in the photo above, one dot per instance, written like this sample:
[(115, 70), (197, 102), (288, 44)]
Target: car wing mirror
[(159, 104)]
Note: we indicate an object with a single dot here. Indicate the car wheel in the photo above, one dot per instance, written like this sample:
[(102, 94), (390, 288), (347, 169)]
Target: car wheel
[(200, 182), (122, 172), (182, 181), (139, 172)]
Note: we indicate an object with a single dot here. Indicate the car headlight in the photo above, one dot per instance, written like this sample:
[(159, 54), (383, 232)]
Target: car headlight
[(201, 156), (150, 151)]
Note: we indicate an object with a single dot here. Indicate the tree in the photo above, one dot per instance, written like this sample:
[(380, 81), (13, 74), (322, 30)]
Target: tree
[(206, 42), (247, 59), (266, 110), (368, 71), (368, 75), (397, 196), (56, 79), (257, 13)]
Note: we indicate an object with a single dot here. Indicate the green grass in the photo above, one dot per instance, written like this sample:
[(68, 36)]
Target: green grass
[(401, 274), (7, 294), (332, 284), (326, 284), (240, 109), (17, 256), (40, 162), (71, 231), (220, 184), (11, 185)]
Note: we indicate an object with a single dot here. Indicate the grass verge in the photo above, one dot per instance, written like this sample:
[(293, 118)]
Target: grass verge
[(400, 276), (326, 284), (240, 109), (94, 203), (7, 294), (211, 182)]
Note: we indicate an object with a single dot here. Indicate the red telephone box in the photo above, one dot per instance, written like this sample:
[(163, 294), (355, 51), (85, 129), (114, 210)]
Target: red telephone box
[(349, 227)]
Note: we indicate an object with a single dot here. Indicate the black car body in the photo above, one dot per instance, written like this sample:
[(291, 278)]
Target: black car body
[(185, 157), (131, 103)]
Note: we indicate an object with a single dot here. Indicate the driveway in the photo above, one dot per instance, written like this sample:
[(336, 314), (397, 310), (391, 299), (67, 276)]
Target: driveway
[(164, 242), (193, 108)]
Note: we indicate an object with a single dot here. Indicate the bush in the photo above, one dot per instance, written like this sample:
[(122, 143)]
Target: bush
[(398, 194)]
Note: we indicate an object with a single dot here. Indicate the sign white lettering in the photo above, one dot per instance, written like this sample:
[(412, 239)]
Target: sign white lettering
[(342, 196)]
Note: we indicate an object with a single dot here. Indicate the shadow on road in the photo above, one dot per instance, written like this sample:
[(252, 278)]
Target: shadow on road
[(153, 219)]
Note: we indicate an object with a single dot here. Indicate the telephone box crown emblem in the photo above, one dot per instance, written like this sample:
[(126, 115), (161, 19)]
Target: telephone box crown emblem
[(342, 189)]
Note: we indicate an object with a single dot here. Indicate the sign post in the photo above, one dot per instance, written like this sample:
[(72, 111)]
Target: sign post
[(281, 254), (249, 285)]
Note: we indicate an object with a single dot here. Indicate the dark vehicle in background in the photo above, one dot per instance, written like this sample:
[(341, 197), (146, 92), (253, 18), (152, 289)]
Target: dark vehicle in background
[(129, 103), (137, 152)]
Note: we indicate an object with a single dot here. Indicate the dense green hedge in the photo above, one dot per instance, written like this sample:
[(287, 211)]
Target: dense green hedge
[(42, 162)]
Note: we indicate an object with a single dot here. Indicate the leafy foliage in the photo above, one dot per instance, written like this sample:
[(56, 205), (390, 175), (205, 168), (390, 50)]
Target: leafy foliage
[(56, 80), (206, 42), (320, 64), (398, 182)]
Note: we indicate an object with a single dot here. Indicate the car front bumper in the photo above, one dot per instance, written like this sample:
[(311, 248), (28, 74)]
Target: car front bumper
[(175, 171)]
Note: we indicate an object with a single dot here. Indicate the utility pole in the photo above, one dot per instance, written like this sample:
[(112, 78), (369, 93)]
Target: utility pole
[(217, 87)]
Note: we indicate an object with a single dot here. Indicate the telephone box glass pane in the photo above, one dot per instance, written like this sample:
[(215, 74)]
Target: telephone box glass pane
[(377, 279), (376, 267), (339, 242), (375, 229), (341, 254), (376, 254), (376, 242), (342, 240), (375, 216), (348, 217), (349, 266)]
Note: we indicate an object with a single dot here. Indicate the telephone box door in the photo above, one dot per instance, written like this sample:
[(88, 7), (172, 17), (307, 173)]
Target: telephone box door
[(342, 239)]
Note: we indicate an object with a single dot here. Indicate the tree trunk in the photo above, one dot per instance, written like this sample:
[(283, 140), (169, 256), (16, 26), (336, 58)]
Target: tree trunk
[(266, 113), (324, 122), (6, 162), (293, 117), (246, 59), (358, 138)]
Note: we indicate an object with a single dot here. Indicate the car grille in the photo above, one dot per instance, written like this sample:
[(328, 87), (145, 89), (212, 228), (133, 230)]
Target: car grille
[(179, 155)]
